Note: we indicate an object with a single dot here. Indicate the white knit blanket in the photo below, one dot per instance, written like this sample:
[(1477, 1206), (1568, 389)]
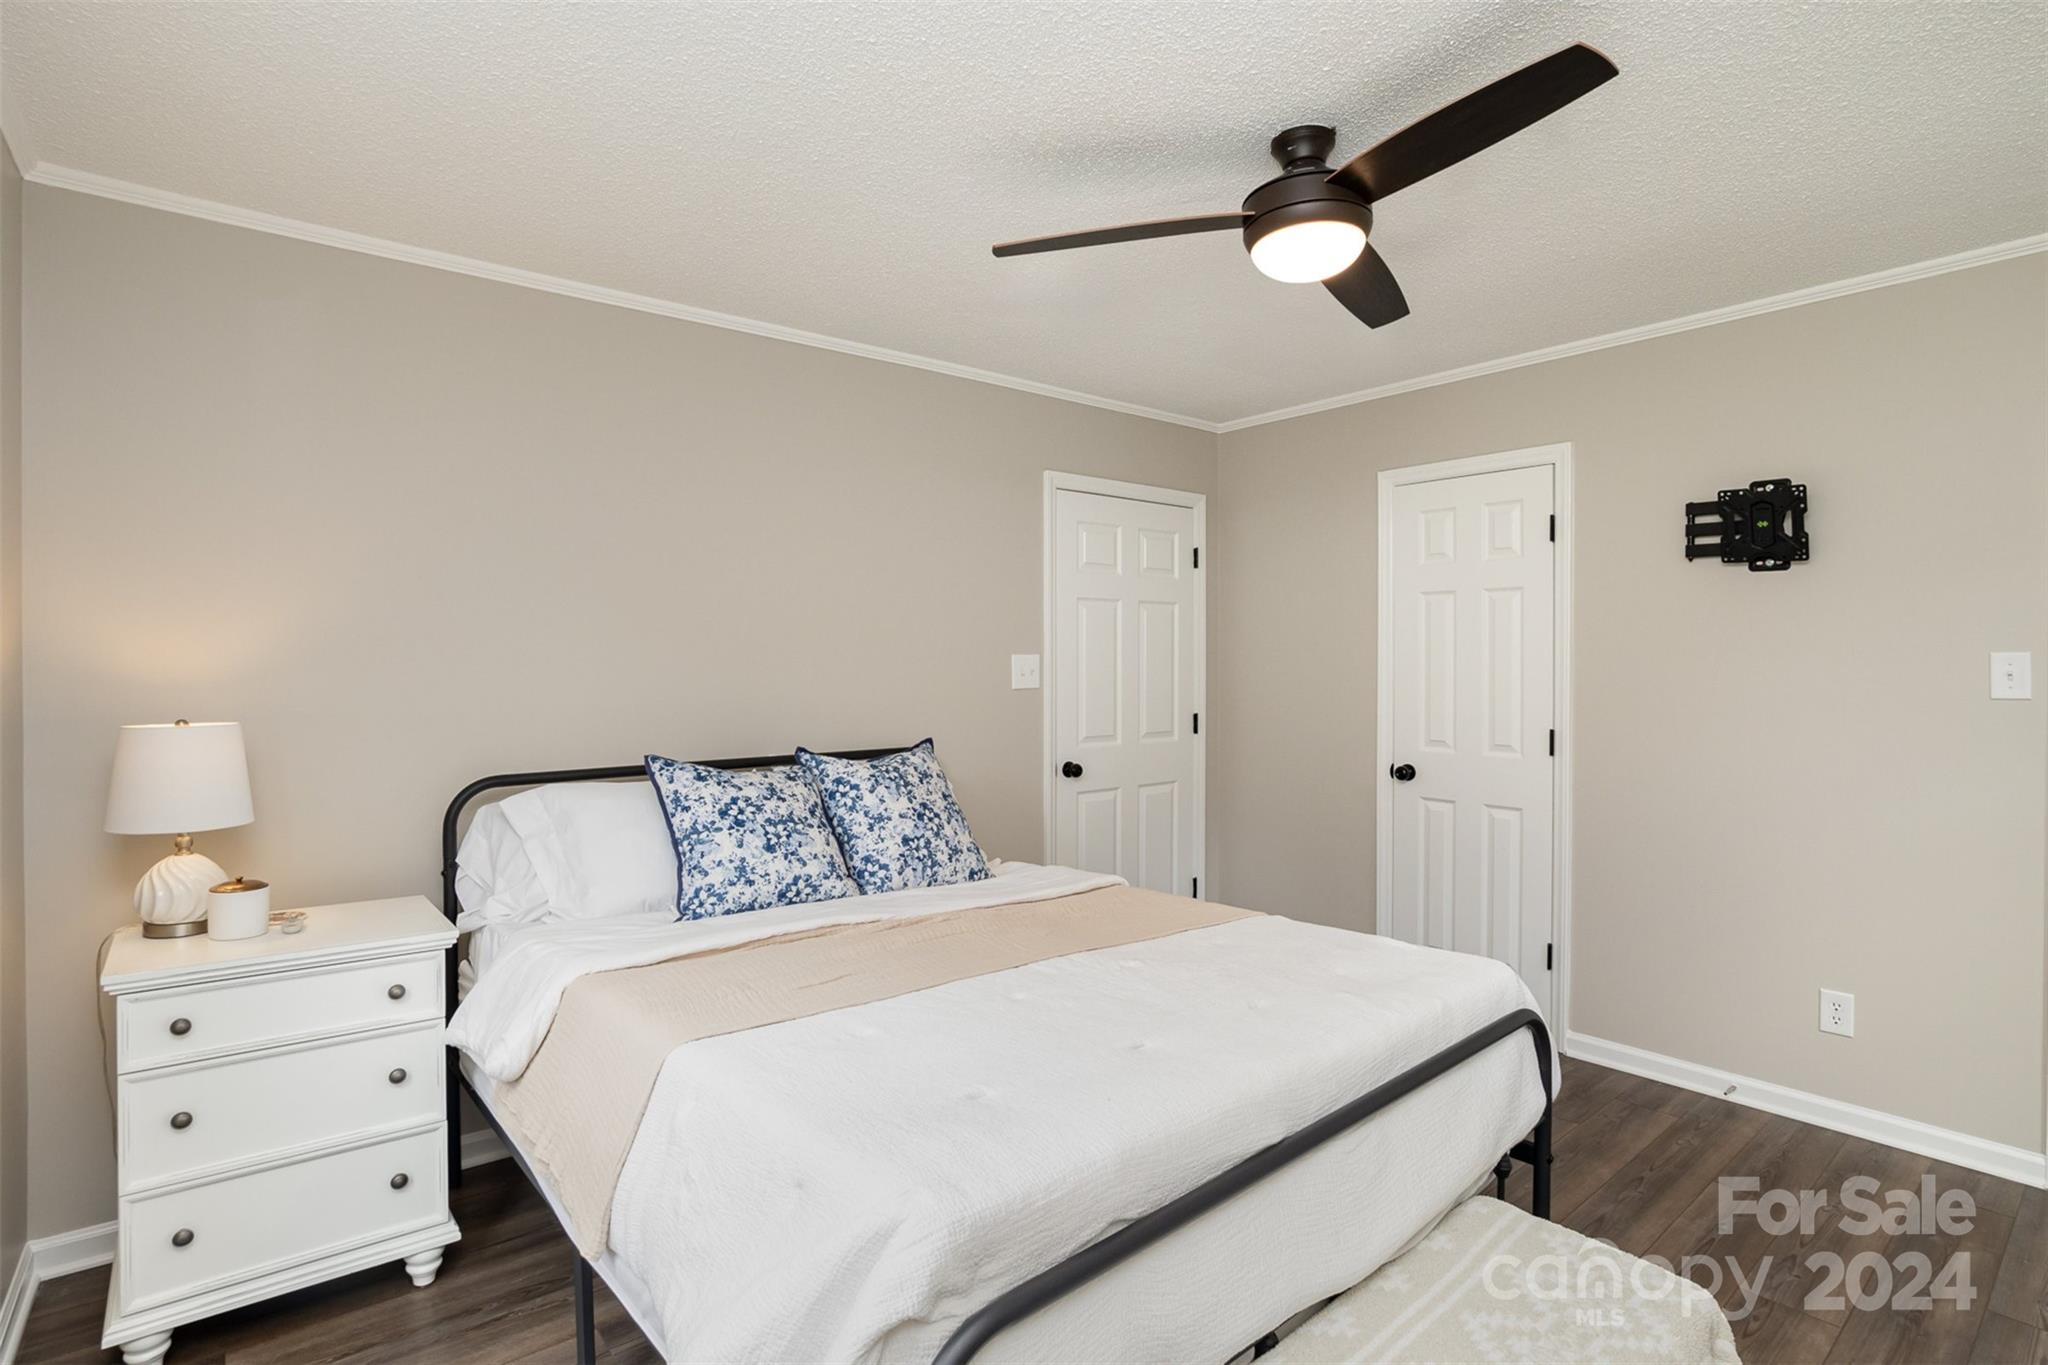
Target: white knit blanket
[(1492, 1283)]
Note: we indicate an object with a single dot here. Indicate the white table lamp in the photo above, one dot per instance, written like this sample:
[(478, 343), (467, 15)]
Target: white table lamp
[(174, 779)]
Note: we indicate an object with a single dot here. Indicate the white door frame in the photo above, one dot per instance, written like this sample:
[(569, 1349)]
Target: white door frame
[(1559, 459), (1048, 673)]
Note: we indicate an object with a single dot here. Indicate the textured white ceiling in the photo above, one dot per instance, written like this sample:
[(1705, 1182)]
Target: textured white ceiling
[(842, 169)]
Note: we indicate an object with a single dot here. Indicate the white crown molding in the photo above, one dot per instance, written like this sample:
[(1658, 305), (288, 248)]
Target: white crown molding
[(105, 187), (24, 157), (1962, 260), (1943, 1144)]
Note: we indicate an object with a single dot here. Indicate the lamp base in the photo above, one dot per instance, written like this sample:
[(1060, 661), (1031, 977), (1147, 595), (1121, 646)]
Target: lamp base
[(170, 900), (183, 929)]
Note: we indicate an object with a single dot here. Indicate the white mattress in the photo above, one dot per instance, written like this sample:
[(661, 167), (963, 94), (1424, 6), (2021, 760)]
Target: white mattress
[(850, 1185)]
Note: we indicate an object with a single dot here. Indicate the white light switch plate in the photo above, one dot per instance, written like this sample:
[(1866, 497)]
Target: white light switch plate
[(1023, 672), (2012, 677)]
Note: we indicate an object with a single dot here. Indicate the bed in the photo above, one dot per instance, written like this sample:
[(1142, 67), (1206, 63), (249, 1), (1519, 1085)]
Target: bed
[(1159, 1148)]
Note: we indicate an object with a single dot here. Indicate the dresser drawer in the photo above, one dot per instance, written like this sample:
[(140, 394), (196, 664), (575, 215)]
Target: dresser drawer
[(160, 1027), (182, 1120), (192, 1239)]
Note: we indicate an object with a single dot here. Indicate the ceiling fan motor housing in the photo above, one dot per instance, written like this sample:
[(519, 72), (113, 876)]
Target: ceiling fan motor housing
[(1305, 148), (1303, 192)]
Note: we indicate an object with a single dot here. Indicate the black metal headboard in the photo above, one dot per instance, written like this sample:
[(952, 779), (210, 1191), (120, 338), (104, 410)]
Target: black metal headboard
[(452, 909)]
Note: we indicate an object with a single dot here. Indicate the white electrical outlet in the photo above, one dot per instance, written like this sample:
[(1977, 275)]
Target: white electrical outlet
[(1838, 1013), (1023, 672)]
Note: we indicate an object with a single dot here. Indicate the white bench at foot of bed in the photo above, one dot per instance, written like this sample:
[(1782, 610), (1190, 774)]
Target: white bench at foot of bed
[(1492, 1283)]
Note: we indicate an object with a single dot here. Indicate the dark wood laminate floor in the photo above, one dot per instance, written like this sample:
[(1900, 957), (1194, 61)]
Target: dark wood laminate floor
[(1638, 1163)]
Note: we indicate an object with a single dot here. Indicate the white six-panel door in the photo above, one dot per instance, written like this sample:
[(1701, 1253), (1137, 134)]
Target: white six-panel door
[(1472, 570), (1125, 799)]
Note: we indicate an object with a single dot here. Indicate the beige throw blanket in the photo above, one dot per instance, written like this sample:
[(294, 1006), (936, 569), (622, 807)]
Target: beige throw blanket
[(577, 1108)]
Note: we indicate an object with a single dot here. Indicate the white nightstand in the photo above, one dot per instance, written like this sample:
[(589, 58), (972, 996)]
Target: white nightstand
[(279, 1113)]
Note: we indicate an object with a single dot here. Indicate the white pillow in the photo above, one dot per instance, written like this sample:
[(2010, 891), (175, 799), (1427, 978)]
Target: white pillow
[(494, 879), (597, 849)]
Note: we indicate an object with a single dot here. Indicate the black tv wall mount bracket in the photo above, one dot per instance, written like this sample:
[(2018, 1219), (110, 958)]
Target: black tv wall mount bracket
[(1763, 526)]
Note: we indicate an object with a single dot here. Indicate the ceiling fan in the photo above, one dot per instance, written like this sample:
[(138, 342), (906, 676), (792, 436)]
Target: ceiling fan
[(1311, 223)]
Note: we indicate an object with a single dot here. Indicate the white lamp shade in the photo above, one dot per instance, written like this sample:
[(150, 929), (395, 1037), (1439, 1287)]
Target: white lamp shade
[(175, 779)]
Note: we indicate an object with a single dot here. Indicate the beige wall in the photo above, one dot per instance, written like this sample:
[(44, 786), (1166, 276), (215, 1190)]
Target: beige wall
[(1895, 847), (13, 978), (410, 527), (350, 501)]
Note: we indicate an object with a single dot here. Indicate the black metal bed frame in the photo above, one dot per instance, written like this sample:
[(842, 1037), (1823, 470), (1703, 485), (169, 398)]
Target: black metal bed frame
[(1048, 1286)]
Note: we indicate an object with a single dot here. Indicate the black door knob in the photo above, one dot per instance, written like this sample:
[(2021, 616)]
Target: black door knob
[(1070, 769), (1402, 772)]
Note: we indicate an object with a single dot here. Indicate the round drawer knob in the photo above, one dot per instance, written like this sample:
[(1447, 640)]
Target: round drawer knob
[(181, 1120), (182, 1237), (180, 1027), (400, 1181), (397, 1076), (396, 992)]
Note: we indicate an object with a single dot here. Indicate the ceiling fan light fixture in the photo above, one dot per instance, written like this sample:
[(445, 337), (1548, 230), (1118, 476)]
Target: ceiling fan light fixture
[(1306, 252), (1298, 231)]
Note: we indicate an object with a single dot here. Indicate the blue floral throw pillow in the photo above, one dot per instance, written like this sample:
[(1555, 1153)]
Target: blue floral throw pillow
[(896, 819), (746, 840)]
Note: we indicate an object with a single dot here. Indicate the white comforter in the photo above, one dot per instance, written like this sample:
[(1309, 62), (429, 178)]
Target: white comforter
[(850, 1185)]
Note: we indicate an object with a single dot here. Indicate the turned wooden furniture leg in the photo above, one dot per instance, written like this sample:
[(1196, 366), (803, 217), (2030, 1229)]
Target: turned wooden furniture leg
[(145, 1350), (423, 1267)]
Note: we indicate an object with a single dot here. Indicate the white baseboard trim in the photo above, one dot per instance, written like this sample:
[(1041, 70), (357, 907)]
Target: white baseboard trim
[(1943, 1144), (21, 1292), (46, 1258), (67, 1253), (482, 1147)]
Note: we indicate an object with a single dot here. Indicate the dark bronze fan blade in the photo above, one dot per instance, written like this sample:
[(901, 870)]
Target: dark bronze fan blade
[(1369, 291), (1129, 232), (1474, 123)]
